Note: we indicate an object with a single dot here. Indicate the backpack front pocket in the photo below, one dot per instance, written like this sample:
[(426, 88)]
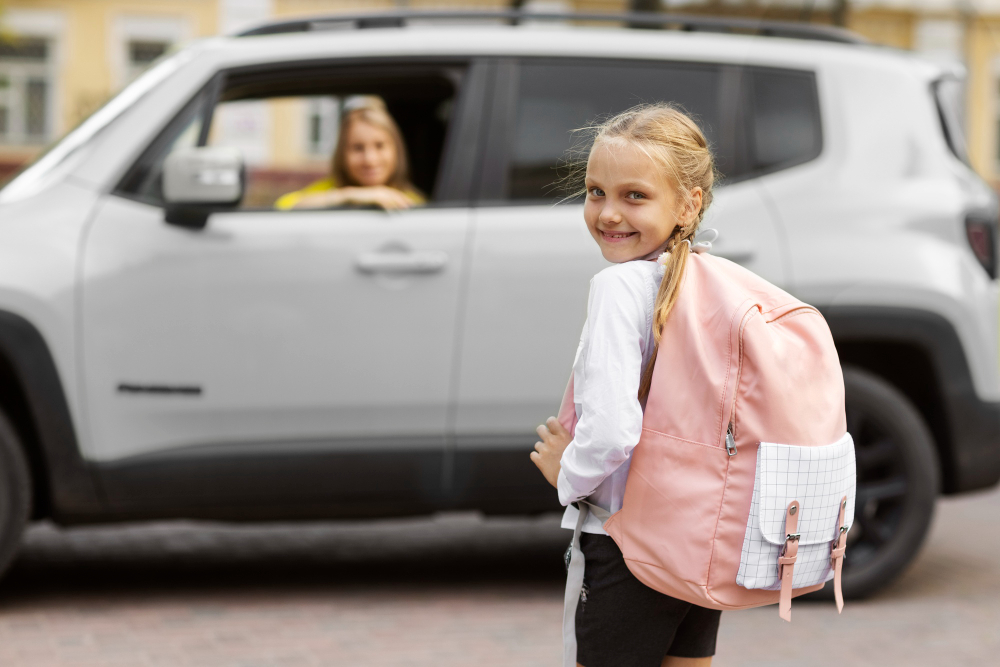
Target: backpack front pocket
[(819, 478)]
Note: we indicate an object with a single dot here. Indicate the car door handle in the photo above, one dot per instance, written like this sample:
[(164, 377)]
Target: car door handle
[(399, 263)]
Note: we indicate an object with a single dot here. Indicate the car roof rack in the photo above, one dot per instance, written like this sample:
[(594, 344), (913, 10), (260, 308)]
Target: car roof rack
[(648, 20)]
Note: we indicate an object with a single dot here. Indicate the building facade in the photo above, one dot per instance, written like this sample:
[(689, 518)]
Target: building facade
[(61, 59)]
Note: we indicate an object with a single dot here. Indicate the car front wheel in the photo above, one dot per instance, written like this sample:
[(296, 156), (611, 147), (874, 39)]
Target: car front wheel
[(15, 492)]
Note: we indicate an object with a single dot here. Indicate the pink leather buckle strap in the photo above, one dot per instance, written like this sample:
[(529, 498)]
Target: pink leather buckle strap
[(786, 562), (837, 554)]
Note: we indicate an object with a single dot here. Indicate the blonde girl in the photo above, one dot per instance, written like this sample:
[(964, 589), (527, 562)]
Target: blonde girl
[(649, 182), (369, 164)]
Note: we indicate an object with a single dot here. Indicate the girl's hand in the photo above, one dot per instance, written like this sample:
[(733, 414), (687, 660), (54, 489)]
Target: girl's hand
[(549, 450)]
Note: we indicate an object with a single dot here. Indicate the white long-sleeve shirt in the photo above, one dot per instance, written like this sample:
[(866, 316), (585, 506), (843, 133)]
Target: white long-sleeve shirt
[(615, 347)]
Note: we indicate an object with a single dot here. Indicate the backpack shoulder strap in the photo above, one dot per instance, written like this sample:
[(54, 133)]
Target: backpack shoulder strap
[(574, 578)]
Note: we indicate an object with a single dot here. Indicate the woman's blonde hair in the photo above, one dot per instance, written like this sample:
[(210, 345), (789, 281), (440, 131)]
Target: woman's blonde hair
[(678, 148), (371, 110)]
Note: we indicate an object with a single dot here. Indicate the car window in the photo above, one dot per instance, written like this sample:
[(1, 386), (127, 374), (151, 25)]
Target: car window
[(555, 99), (286, 125), (784, 123), (286, 142), (145, 179), (949, 96)]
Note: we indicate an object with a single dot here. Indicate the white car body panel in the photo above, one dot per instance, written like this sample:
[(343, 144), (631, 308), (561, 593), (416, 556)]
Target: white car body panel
[(269, 315), (39, 271), (527, 300), (876, 219), (525, 307)]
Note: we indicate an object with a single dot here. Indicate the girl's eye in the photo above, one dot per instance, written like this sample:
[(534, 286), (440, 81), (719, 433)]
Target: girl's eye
[(635, 195), (596, 192)]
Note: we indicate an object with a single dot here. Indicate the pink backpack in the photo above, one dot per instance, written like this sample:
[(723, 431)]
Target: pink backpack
[(741, 489)]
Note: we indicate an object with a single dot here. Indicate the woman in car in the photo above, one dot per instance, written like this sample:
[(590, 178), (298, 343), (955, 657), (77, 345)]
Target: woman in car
[(369, 165)]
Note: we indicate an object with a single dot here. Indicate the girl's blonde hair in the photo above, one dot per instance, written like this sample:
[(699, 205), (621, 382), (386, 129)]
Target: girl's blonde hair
[(678, 148), (371, 110)]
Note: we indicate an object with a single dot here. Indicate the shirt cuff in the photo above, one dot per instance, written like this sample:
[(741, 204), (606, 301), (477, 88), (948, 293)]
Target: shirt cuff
[(567, 494)]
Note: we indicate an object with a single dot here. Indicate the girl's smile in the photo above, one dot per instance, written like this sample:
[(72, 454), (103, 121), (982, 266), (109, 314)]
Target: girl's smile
[(615, 237)]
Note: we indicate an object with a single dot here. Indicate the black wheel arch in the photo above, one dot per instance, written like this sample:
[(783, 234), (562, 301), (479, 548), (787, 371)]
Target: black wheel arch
[(32, 395), (920, 353)]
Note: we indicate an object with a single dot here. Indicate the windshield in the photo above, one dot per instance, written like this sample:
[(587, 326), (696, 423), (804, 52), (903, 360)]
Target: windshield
[(35, 176)]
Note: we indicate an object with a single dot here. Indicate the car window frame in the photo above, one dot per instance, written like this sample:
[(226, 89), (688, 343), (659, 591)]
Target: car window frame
[(492, 188), (734, 117), (460, 153)]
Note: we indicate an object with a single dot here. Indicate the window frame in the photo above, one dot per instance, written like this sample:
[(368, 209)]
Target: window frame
[(492, 189), (128, 28), (460, 152), (734, 121), (19, 72)]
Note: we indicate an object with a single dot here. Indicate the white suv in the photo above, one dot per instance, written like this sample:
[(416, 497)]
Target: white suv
[(210, 359)]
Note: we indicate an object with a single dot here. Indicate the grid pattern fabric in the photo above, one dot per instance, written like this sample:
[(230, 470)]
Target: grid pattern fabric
[(818, 477)]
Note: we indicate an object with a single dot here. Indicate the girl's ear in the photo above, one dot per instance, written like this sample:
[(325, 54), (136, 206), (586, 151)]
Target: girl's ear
[(691, 207)]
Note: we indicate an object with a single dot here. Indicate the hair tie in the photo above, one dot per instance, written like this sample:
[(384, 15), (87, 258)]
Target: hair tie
[(702, 244), (703, 240)]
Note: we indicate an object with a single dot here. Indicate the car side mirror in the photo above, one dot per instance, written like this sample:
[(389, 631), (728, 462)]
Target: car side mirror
[(201, 180)]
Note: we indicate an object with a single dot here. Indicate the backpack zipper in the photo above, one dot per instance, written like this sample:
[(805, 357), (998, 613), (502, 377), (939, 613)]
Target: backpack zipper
[(730, 438), (731, 428)]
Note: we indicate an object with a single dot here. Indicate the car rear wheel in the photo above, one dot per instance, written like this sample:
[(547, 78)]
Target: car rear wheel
[(897, 484), (15, 492)]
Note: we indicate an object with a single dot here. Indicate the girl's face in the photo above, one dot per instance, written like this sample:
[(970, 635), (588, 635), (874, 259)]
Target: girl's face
[(631, 209), (370, 156)]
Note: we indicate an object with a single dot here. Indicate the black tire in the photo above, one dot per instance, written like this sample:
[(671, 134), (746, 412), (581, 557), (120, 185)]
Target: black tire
[(15, 492), (897, 484)]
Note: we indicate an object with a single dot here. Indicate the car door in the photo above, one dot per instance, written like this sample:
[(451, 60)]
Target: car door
[(294, 359), (532, 256)]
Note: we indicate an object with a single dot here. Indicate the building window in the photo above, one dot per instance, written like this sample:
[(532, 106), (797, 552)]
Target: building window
[(140, 40), (322, 125), (141, 54), (940, 40), (25, 90)]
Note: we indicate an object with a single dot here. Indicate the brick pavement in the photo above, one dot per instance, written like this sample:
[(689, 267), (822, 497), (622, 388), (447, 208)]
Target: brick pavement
[(454, 590)]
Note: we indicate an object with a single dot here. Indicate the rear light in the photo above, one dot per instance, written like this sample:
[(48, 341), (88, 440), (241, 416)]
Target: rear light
[(982, 234)]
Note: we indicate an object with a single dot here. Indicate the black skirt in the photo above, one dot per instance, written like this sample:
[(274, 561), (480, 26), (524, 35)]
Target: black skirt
[(622, 622)]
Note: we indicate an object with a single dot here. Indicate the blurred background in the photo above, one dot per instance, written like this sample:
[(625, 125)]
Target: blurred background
[(71, 56), (216, 360)]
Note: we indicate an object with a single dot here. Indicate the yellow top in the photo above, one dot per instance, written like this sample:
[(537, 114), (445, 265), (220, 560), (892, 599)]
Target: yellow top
[(288, 201)]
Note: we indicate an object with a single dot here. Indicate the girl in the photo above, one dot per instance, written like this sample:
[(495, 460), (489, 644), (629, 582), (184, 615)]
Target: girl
[(648, 183), (369, 164)]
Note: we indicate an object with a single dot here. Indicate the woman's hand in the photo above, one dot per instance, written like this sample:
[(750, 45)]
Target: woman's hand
[(382, 196), (549, 450)]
